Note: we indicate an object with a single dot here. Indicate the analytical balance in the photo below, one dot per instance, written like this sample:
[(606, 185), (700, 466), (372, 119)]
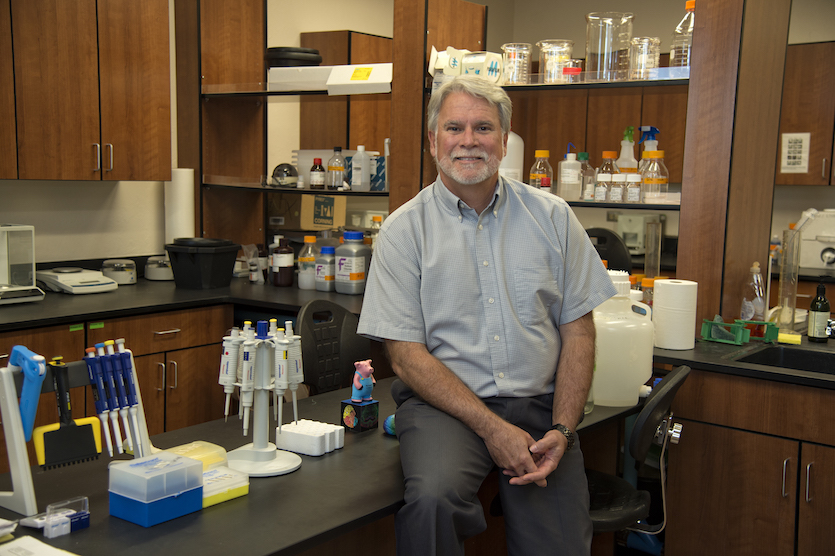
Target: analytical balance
[(17, 264)]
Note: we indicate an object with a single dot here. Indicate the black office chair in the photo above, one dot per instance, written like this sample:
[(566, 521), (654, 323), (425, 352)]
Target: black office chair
[(330, 345), (615, 503), (611, 247)]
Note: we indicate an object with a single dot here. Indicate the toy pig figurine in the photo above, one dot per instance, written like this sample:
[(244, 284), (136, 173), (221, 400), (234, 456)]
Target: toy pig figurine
[(363, 382)]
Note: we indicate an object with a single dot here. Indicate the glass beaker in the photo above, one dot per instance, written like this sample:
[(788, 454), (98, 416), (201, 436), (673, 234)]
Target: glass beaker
[(608, 35), (517, 63), (554, 54), (789, 264), (644, 55), (652, 242)]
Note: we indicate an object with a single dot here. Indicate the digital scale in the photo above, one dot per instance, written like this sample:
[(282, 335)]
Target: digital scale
[(17, 265), (71, 279)]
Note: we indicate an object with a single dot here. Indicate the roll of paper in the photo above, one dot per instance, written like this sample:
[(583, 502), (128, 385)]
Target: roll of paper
[(179, 204), (674, 313)]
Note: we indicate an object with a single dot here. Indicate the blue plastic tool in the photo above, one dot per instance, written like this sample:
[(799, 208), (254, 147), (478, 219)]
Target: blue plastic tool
[(34, 373)]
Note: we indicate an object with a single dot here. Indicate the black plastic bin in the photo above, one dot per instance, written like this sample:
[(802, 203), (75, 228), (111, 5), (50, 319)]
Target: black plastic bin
[(201, 263)]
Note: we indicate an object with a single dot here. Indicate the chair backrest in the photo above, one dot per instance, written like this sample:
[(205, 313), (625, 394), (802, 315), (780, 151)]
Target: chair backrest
[(611, 247), (656, 408), (330, 345)]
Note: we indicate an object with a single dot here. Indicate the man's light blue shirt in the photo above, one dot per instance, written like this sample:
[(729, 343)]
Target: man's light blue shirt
[(485, 293)]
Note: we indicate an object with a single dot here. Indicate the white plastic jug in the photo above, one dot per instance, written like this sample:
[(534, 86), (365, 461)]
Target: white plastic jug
[(623, 349)]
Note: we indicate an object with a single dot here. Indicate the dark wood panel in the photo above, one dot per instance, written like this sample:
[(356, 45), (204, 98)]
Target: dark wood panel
[(55, 49), (455, 22), (187, 38), (235, 215), (666, 109), (233, 138), (809, 107), (233, 41), (815, 534), (135, 89), (610, 111), (725, 492), (324, 120), (192, 395), (8, 131), (369, 115), (560, 119)]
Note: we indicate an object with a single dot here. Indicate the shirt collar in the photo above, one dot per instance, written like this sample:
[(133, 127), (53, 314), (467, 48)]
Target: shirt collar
[(456, 206)]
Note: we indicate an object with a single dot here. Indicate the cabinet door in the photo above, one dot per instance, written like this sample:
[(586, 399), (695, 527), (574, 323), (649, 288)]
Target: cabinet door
[(57, 89), (135, 90), (193, 395), (815, 534), (8, 133), (730, 492), (150, 370), (666, 109), (809, 107), (610, 112)]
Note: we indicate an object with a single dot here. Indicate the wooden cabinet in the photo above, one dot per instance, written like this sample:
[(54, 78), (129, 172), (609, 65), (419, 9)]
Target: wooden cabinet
[(8, 133), (809, 107), (66, 341), (738, 478), (346, 121), (177, 355), (92, 89)]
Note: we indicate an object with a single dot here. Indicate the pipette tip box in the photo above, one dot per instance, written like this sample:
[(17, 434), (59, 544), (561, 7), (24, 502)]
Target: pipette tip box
[(360, 416), (156, 488), (222, 483), (311, 438)]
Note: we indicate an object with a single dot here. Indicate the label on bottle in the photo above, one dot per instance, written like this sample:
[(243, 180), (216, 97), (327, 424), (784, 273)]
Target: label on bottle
[(336, 168), (627, 169), (818, 321), (356, 171), (317, 179), (655, 181), (282, 260), (600, 193), (633, 194), (306, 263), (324, 272), (536, 180), (350, 269), (616, 194)]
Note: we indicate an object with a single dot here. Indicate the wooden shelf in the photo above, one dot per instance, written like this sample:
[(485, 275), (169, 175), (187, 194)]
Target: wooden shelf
[(625, 206), (232, 182)]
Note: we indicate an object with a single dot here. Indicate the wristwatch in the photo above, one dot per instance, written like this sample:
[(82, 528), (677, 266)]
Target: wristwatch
[(568, 433)]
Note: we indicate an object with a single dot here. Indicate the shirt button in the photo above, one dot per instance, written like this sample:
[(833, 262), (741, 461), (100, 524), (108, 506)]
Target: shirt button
[(485, 263), (460, 218), (480, 227), (496, 338), (495, 213), (501, 375), (491, 300)]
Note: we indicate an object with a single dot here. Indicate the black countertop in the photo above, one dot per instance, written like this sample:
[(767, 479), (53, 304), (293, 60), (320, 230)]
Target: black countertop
[(148, 296)]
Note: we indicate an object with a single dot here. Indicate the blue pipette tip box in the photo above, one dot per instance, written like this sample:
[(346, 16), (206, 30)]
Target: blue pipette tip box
[(148, 514)]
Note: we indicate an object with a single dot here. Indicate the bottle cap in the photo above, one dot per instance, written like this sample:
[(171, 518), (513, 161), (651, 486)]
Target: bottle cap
[(647, 282), (337, 149), (328, 250), (571, 156), (542, 154), (582, 156), (755, 267), (571, 71), (352, 235), (619, 178), (610, 154), (310, 239), (604, 177), (652, 154), (317, 161), (690, 5), (376, 218), (633, 178), (361, 148)]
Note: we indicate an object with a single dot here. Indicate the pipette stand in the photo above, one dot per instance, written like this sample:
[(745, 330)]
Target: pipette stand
[(21, 498), (261, 458)]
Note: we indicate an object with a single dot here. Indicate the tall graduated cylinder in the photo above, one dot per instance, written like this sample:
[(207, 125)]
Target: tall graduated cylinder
[(624, 345)]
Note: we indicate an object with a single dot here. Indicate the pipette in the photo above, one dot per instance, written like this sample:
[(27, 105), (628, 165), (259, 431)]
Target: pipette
[(280, 371), (248, 378), (133, 398), (112, 399), (121, 386), (96, 375), (239, 373), (295, 371), (272, 334), (229, 366)]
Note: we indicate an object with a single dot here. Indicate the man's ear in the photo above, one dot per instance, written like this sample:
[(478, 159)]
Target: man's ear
[(432, 143)]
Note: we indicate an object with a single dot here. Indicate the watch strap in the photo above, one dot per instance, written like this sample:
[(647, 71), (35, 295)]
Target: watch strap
[(568, 433)]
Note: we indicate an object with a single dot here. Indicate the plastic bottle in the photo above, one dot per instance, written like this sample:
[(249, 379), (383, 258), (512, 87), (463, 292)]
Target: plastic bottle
[(587, 176), (283, 264), (361, 170), (609, 166), (325, 273), (307, 264), (627, 163), (633, 189), (647, 285), (655, 177), (617, 191), (352, 261), (624, 346), (335, 177), (753, 296), (648, 134), (601, 187), (819, 316), (541, 174), (513, 163), (376, 224), (317, 174), (683, 38), (570, 186)]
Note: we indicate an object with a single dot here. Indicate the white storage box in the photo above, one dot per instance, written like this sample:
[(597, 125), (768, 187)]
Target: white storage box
[(360, 79)]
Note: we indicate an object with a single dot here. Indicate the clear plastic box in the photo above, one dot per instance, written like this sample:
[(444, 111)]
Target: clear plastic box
[(157, 476)]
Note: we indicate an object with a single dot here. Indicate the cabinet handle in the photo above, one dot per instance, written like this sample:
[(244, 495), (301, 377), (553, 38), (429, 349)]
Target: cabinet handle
[(162, 377), (823, 169), (164, 332), (4, 355), (176, 375), (785, 467), (808, 481), (98, 157), (110, 145)]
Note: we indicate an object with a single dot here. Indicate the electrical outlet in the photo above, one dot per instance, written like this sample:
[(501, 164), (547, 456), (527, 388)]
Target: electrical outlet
[(612, 216)]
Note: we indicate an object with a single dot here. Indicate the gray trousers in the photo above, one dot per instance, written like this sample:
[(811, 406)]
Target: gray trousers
[(444, 463)]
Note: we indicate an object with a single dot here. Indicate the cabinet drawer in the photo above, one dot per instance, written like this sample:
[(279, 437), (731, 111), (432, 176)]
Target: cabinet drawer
[(167, 331)]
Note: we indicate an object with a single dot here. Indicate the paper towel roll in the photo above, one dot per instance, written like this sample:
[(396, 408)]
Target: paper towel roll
[(179, 204), (674, 313)]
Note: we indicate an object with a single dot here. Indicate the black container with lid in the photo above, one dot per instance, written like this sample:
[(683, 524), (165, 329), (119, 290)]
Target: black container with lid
[(202, 263)]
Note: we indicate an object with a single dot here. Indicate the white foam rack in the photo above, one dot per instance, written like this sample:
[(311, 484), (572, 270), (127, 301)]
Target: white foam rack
[(311, 438)]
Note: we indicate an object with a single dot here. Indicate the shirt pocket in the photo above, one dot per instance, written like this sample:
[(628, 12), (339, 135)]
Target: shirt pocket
[(534, 293)]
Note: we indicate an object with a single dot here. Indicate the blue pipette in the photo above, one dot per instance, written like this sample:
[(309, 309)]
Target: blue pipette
[(133, 396), (121, 385), (112, 395), (96, 375)]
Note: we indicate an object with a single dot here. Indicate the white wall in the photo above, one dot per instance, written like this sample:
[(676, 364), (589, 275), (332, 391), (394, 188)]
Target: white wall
[(87, 220)]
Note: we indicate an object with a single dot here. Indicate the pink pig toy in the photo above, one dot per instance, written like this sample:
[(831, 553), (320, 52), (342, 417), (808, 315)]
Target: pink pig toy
[(363, 382)]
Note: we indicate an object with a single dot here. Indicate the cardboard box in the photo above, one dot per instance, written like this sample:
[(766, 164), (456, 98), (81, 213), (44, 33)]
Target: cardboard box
[(293, 211), (360, 79)]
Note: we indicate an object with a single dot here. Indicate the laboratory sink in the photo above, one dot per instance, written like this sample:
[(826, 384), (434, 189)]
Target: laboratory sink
[(792, 358)]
